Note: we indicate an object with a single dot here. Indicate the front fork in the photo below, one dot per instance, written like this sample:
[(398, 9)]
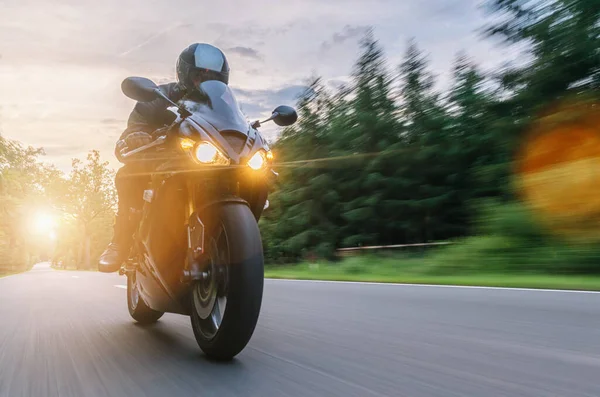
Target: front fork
[(193, 269), (131, 265), (128, 268), (195, 266), (195, 238)]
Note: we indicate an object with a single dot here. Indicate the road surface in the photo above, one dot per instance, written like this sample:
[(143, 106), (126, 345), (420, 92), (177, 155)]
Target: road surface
[(69, 334)]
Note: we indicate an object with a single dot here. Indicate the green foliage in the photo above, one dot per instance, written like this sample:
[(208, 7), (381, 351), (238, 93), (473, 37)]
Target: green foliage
[(389, 159), (20, 185), (399, 164), (87, 198), (562, 36), (511, 241), (400, 270), (82, 202)]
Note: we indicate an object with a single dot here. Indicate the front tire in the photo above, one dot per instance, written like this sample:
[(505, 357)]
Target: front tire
[(136, 305), (226, 304)]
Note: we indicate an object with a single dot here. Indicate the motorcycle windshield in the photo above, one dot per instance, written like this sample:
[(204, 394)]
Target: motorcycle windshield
[(220, 109)]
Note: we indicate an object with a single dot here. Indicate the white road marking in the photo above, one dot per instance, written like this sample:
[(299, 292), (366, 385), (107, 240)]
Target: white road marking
[(436, 286), (120, 286)]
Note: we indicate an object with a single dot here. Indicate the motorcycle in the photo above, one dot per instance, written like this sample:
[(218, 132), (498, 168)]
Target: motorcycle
[(198, 249)]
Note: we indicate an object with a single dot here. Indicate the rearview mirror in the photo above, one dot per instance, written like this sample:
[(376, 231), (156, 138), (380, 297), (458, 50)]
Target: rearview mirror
[(284, 116), (139, 88)]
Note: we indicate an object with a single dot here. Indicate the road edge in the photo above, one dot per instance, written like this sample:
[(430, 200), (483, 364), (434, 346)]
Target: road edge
[(434, 285)]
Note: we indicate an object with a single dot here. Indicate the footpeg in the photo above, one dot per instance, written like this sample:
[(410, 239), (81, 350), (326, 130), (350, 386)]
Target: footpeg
[(128, 267)]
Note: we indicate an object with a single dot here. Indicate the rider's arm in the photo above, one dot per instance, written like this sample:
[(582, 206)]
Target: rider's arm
[(148, 116), (142, 119), (135, 123)]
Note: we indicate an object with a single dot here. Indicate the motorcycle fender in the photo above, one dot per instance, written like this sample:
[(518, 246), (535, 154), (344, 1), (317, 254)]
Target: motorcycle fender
[(196, 234), (222, 200)]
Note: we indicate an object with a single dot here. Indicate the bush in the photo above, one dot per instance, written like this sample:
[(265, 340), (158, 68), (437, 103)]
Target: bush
[(355, 267), (512, 241), (13, 260)]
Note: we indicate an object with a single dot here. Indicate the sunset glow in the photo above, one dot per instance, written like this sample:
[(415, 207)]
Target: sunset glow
[(63, 92), (43, 224)]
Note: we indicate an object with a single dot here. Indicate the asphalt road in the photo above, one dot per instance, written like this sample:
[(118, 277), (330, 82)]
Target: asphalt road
[(69, 334)]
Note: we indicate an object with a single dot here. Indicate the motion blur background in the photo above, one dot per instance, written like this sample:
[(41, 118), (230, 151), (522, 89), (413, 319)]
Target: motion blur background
[(470, 123)]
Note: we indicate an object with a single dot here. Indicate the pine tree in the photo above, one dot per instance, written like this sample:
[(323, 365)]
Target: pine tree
[(372, 129), (428, 192), (304, 201), (474, 149), (562, 38)]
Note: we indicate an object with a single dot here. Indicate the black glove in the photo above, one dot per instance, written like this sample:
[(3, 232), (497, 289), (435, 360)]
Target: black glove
[(137, 139), (130, 142)]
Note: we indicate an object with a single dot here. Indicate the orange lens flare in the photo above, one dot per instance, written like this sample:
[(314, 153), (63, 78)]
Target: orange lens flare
[(558, 170)]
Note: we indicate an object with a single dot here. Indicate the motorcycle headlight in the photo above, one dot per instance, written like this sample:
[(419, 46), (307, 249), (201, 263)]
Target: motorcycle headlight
[(186, 143), (207, 153), (258, 161)]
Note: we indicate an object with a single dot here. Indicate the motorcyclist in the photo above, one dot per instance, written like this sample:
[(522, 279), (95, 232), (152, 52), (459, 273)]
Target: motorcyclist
[(197, 63)]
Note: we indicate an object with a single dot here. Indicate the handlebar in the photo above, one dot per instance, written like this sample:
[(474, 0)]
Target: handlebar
[(157, 142)]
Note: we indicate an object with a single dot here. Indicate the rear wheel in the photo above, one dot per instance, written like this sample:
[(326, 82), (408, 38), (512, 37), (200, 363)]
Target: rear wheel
[(226, 302), (137, 307)]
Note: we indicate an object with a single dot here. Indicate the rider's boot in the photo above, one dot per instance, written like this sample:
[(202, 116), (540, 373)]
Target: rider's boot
[(118, 250)]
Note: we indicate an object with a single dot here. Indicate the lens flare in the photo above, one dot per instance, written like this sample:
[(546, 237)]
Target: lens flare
[(206, 153), (186, 143), (44, 222), (558, 170), (257, 161)]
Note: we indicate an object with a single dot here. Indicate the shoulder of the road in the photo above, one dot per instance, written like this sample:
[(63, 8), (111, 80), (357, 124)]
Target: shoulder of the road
[(568, 291), (423, 286)]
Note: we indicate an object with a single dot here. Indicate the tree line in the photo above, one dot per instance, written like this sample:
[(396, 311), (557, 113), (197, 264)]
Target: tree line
[(386, 159), (79, 206), (390, 159)]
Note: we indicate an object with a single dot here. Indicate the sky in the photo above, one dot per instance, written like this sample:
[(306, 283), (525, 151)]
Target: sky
[(62, 61)]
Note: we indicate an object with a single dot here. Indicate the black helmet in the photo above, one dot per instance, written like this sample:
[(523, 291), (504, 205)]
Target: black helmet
[(201, 62)]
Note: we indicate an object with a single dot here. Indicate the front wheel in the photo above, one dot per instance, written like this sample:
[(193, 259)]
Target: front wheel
[(226, 302), (136, 305)]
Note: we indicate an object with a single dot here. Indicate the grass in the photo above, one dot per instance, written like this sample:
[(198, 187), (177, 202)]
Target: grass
[(417, 271)]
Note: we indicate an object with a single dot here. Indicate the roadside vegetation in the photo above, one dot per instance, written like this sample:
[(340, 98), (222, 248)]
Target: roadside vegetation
[(396, 156), (47, 215), (508, 250), (502, 163), (378, 270)]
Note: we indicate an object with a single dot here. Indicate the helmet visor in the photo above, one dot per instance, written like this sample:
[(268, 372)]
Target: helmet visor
[(210, 58)]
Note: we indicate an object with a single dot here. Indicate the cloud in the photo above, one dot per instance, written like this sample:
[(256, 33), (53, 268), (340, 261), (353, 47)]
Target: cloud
[(72, 79), (63, 150), (258, 103), (255, 110), (347, 33), (287, 93), (245, 52), (257, 31), (337, 83), (111, 121), (154, 37)]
